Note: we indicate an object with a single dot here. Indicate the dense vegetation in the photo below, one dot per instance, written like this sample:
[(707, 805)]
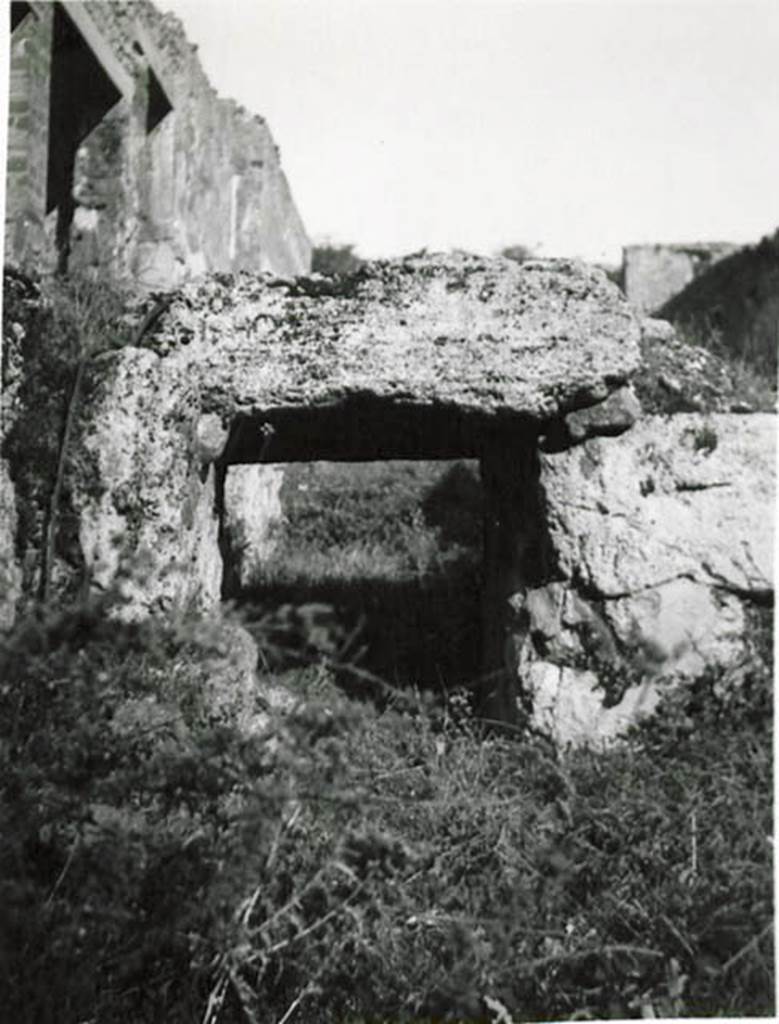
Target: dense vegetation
[(52, 330), (161, 861), (330, 259), (174, 847)]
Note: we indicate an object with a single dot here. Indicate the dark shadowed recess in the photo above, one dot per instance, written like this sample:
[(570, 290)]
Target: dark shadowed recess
[(159, 105), (407, 626), (446, 626), (416, 632), (370, 429)]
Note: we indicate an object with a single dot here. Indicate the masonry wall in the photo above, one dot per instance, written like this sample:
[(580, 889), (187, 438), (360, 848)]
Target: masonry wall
[(653, 274), (28, 124), (145, 173)]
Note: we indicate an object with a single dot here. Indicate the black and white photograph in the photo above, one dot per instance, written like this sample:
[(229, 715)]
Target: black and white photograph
[(387, 511)]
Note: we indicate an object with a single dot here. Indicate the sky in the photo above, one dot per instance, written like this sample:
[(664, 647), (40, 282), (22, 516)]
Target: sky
[(573, 128)]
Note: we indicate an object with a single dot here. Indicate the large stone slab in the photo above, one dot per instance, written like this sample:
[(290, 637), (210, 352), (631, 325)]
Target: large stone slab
[(473, 335)]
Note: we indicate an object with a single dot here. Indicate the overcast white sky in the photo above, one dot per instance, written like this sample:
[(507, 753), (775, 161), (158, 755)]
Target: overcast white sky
[(574, 127)]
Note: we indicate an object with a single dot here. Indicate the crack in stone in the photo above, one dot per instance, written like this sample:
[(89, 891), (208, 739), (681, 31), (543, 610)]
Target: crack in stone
[(592, 594), (681, 487), (756, 594)]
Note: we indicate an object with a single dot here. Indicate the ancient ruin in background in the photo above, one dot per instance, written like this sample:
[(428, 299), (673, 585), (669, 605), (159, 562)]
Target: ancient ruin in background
[(122, 158), (653, 274)]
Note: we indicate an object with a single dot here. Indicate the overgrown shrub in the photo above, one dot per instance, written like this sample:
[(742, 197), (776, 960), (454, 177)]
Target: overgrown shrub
[(331, 259), (519, 253), (734, 307), (162, 860), (52, 329)]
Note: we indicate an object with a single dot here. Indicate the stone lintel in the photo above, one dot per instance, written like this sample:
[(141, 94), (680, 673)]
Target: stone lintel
[(462, 338)]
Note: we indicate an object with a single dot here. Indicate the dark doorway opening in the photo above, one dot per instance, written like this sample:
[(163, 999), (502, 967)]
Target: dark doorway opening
[(395, 549), (82, 93)]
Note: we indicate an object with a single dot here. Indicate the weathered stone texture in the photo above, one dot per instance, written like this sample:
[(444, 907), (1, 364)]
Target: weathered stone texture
[(168, 182), (660, 537), (10, 574), (27, 140), (20, 299), (491, 337), (683, 496), (428, 334), (252, 516), (568, 705), (608, 418), (612, 563), (679, 377), (145, 496)]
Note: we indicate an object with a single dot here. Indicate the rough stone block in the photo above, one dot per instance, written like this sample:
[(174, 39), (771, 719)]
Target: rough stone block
[(680, 496), (568, 706), (252, 515), (662, 536), (437, 341), (146, 509), (463, 334)]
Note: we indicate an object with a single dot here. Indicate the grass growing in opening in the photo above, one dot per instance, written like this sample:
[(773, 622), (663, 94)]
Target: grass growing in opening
[(395, 548)]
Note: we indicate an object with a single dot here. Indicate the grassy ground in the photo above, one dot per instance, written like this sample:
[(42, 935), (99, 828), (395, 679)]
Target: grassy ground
[(395, 549), (354, 861), (343, 863), (348, 862)]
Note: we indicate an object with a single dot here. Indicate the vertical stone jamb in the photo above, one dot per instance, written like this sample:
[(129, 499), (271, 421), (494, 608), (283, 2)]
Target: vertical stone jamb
[(516, 557)]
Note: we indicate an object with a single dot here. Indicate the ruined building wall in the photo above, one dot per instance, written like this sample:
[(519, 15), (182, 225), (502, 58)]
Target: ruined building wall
[(28, 120), (122, 157), (653, 274)]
